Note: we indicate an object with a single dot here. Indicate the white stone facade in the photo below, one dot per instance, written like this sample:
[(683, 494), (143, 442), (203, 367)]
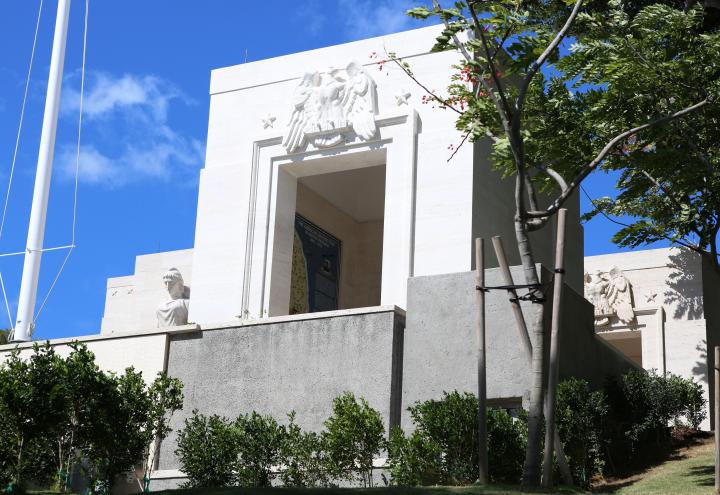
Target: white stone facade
[(353, 116), (675, 299)]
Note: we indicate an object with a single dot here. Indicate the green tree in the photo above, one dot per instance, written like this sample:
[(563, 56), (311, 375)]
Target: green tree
[(32, 403), (166, 397), (669, 189), (560, 88), (354, 436)]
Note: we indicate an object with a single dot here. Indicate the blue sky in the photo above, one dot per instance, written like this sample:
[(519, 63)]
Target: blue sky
[(145, 126)]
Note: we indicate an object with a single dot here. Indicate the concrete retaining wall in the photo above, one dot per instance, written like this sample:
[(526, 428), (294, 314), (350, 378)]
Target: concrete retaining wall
[(440, 344), (295, 365)]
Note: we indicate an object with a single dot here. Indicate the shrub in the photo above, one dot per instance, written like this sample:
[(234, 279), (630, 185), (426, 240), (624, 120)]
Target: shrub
[(304, 457), (645, 405), (260, 439), (208, 451), (581, 415), (451, 423), (414, 460), (443, 447), (507, 440), (354, 437), (692, 404)]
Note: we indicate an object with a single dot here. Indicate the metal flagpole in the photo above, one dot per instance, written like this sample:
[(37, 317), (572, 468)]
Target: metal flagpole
[(36, 230)]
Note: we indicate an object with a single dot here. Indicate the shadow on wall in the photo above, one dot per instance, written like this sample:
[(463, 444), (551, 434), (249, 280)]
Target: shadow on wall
[(685, 285), (700, 370)]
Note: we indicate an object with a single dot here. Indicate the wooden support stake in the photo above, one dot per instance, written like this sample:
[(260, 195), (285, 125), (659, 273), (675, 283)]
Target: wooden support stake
[(525, 338), (483, 476), (554, 368), (716, 414), (514, 303)]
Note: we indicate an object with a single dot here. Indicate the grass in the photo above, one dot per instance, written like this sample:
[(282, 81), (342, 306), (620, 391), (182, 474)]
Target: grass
[(430, 490), (690, 471)]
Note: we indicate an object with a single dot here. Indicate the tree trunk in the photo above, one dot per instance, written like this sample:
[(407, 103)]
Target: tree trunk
[(531, 467)]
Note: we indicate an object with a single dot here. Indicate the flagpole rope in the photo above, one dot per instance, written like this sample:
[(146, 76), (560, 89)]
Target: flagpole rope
[(7, 307), (22, 119)]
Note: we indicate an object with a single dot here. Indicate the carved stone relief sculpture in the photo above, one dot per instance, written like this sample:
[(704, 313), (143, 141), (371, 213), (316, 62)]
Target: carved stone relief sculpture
[(326, 106), (174, 311), (611, 294)]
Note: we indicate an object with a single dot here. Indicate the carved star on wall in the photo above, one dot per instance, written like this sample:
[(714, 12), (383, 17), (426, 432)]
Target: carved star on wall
[(402, 97), (650, 297), (268, 121)]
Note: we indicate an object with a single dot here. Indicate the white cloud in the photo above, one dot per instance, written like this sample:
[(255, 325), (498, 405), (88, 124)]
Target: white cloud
[(368, 18), (106, 95), (95, 168), (310, 15), (127, 132)]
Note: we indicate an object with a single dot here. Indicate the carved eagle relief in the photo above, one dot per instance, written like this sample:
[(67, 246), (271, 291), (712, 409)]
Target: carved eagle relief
[(325, 106), (610, 293)]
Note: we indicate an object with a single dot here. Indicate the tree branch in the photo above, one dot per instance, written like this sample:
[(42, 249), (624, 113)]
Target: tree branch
[(445, 103), (504, 117), (465, 137), (456, 40), (662, 188), (535, 66), (682, 243), (600, 157), (489, 58)]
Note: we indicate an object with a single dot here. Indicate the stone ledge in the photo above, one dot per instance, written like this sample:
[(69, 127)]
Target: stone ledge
[(181, 329)]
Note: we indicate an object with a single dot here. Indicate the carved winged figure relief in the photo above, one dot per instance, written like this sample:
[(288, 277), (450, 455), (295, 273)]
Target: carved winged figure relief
[(611, 294), (326, 106), (620, 296)]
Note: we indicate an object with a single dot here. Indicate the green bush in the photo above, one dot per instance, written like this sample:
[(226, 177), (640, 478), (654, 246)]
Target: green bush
[(208, 451), (354, 436), (507, 440), (414, 460), (216, 452), (304, 457), (260, 439), (443, 447), (691, 410), (581, 416), (451, 423), (644, 405)]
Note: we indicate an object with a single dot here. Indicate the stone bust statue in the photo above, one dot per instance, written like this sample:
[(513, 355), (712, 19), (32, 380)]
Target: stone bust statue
[(174, 311)]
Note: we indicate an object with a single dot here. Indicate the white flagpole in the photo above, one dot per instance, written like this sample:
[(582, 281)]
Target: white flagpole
[(36, 231)]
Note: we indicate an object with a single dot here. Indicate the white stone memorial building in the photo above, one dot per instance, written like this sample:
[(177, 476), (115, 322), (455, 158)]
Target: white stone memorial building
[(334, 251)]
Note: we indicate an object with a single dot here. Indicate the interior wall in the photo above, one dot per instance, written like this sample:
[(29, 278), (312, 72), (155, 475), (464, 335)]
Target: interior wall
[(630, 346), (361, 255)]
